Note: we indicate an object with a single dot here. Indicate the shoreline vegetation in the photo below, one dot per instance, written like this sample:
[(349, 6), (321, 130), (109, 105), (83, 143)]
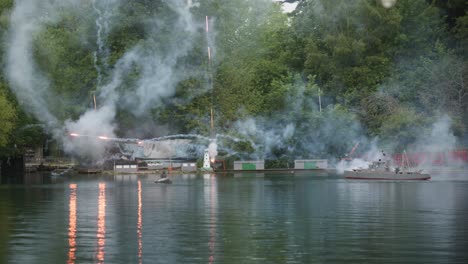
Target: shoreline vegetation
[(310, 83), (77, 169)]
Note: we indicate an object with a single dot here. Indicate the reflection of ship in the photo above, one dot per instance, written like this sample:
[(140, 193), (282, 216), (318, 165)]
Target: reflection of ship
[(381, 170)]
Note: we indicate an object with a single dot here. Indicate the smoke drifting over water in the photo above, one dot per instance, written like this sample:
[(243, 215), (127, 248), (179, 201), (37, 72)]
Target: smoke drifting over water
[(315, 137), (441, 137), (433, 145), (93, 123), (156, 81), (323, 135), (103, 10), (29, 84), (301, 131), (438, 144), (373, 153)]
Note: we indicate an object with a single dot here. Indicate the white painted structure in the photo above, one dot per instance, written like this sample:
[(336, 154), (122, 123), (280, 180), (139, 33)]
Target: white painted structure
[(206, 161), (127, 168), (311, 164), (189, 167), (249, 165)]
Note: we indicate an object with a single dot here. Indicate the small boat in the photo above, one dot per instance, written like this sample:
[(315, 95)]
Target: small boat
[(381, 170), (55, 173), (163, 180), (60, 172)]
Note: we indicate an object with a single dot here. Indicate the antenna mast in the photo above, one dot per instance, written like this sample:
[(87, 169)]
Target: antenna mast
[(211, 151), (210, 76)]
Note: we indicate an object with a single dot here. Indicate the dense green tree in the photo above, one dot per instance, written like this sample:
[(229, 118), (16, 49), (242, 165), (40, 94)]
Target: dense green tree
[(348, 46), (7, 117), (461, 35), (247, 68), (252, 61), (68, 64), (391, 69), (358, 49), (8, 113)]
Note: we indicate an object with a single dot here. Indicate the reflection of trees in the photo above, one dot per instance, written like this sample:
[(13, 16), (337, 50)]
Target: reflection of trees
[(270, 219), (459, 226), (5, 226), (393, 222), (29, 215), (240, 218)]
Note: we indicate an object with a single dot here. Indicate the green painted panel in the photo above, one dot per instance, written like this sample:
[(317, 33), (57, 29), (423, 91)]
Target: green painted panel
[(310, 165), (249, 166)]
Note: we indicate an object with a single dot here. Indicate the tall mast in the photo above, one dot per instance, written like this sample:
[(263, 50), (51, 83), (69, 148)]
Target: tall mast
[(211, 151), (210, 76)]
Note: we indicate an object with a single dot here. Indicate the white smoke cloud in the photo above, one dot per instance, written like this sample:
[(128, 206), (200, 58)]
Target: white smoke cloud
[(263, 136), (441, 137), (213, 149), (357, 163), (92, 125), (388, 3), (372, 153), (28, 83), (157, 80), (439, 143), (104, 10), (159, 77)]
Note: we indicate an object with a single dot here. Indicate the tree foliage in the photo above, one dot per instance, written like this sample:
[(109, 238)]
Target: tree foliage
[(384, 72), (7, 117)]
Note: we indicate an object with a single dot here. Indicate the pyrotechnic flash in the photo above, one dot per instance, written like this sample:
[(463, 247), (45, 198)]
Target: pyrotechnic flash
[(207, 27), (388, 3), (74, 135), (103, 137)]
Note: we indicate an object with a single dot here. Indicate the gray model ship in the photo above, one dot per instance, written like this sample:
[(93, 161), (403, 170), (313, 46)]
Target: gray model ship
[(381, 170)]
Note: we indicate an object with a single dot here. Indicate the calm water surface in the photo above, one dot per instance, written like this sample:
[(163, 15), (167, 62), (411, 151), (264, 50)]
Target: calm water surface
[(232, 219)]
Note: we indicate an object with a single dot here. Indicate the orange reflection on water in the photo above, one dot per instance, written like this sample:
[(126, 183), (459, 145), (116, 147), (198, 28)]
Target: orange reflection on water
[(101, 231), (139, 225), (213, 206), (72, 225)]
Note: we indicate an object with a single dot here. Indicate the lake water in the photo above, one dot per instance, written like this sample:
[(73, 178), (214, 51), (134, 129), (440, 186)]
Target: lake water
[(252, 218)]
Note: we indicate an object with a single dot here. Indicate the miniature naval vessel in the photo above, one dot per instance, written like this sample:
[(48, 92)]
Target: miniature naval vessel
[(381, 170)]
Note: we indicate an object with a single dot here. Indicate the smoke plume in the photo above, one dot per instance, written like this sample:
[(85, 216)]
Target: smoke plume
[(156, 80)]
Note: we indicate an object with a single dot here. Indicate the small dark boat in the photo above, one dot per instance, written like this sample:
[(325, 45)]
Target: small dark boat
[(60, 172), (163, 180)]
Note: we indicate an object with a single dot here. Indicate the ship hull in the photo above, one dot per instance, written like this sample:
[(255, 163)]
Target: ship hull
[(377, 175)]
